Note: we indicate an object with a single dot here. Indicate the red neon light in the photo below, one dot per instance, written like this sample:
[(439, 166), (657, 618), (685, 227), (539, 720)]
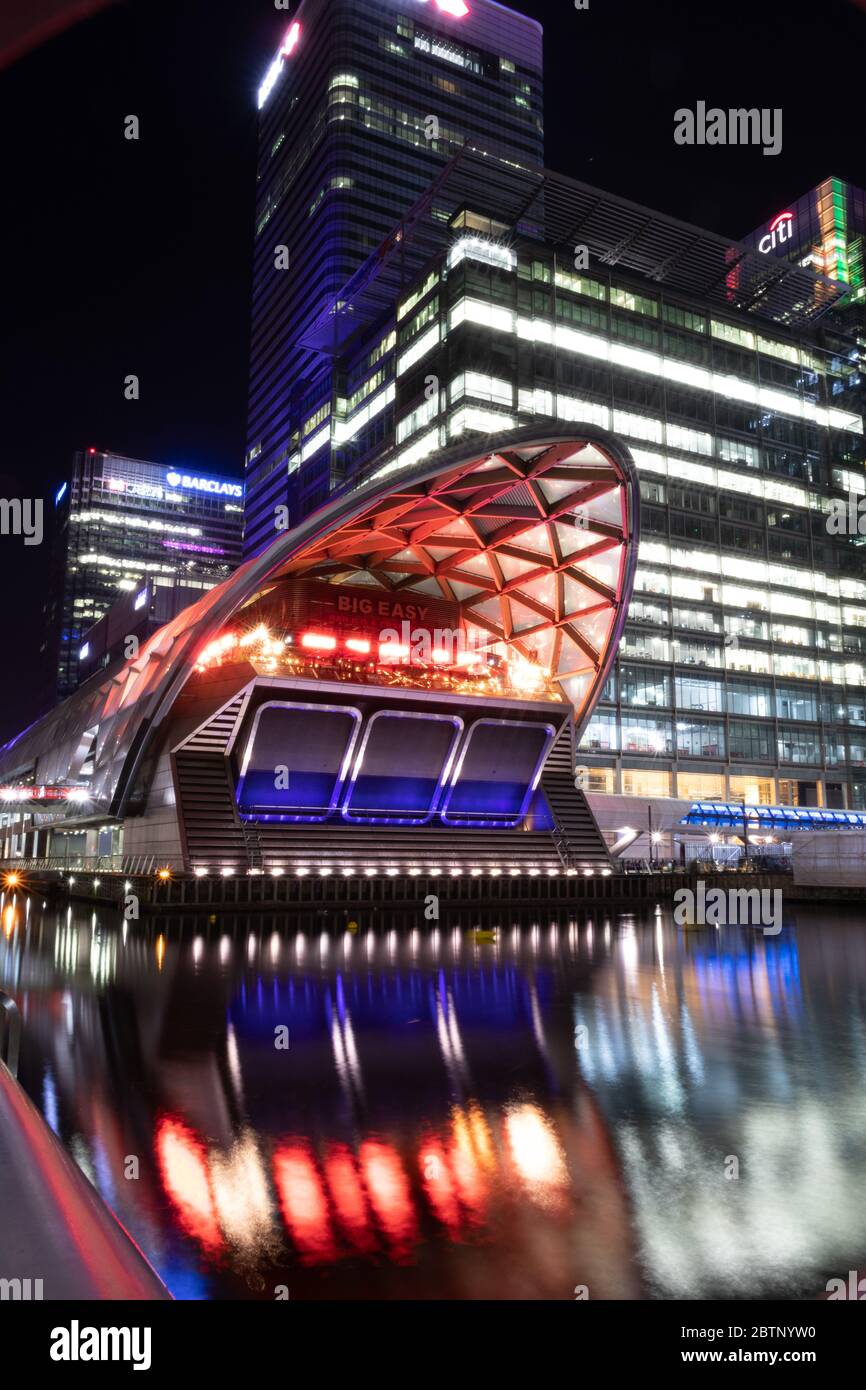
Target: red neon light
[(782, 217), (291, 40), (392, 651), (358, 644), (317, 641)]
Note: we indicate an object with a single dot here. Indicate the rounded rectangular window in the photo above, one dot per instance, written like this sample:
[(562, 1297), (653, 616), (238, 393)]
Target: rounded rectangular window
[(401, 767), (296, 760), (497, 772)]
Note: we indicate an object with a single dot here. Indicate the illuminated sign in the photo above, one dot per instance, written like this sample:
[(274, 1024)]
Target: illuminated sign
[(195, 549), (288, 46), (780, 230), (212, 485), (61, 494), (457, 8), (150, 490)]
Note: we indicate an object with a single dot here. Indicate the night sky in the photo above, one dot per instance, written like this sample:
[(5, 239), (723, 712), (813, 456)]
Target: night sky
[(134, 257)]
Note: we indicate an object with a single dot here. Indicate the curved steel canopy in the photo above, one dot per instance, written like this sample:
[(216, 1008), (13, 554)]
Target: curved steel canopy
[(534, 536)]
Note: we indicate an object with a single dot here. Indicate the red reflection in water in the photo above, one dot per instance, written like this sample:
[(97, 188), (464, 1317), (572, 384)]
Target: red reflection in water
[(304, 1203), (439, 1188), (348, 1197), (183, 1167), (390, 1196)]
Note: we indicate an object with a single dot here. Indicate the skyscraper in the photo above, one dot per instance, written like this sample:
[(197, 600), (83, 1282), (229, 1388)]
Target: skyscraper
[(364, 104), (123, 521), (825, 229), (735, 384)]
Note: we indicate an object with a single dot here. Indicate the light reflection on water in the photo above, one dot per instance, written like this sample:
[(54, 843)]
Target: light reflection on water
[(608, 1101)]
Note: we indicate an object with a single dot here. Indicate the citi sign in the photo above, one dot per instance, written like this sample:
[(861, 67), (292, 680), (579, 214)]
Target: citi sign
[(780, 230), (212, 485)]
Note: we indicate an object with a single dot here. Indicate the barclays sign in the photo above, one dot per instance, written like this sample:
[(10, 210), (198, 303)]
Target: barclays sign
[(214, 486)]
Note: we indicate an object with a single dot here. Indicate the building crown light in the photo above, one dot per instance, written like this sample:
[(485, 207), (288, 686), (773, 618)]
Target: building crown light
[(286, 49)]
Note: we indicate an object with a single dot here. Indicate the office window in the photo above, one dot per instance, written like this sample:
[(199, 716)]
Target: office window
[(693, 693), (596, 779), (648, 613), (697, 739), (693, 653), (643, 735), (753, 629), (748, 697), (600, 734), (794, 703), (799, 746), (651, 582), (691, 499), (754, 791), (652, 491), (636, 303), (728, 333), (644, 685), (684, 318), (700, 786), (645, 782), (750, 742), (580, 284), (644, 644)]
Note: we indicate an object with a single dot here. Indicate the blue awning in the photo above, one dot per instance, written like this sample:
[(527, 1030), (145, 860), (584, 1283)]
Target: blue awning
[(731, 815)]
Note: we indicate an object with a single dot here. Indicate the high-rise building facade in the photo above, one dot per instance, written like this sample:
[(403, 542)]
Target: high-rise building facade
[(364, 104), (511, 296), (121, 523), (825, 229), (742, 669)]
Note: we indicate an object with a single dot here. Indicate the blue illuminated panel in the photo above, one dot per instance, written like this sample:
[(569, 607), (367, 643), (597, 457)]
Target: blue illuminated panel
[(296, 760), (402, 764), (730, 815), (497, 773)]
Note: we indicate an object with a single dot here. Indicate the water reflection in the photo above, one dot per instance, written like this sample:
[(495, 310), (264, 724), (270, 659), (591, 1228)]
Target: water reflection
[(482, 1110)]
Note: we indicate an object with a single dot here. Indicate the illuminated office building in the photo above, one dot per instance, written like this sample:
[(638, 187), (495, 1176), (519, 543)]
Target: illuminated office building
[(362, 107), (612, 452), (742, 669), (128, 527), (824, 230)]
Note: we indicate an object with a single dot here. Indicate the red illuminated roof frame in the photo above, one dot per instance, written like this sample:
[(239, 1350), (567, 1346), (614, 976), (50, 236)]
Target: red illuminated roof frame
[(532, 534)]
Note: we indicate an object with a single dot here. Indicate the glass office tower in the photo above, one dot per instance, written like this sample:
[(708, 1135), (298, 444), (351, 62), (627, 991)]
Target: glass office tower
[(364, 103), (826, 230), (120, 522), (510, 295), (742, 671)]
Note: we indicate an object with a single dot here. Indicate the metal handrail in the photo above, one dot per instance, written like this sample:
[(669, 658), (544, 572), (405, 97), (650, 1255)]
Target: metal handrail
[(56, 1220), (10, 1033)]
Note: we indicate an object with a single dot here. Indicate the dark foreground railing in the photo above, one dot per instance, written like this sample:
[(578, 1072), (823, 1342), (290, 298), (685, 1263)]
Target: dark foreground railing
[(58, 1239)]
